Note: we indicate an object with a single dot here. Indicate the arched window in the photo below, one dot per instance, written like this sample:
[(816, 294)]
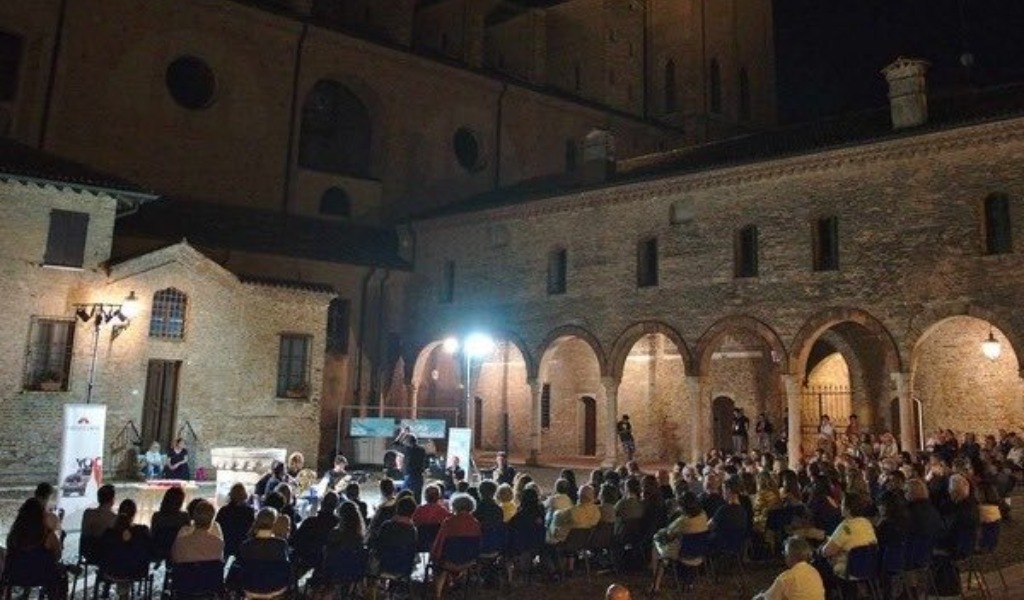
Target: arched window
[(744, 95), (670, 87), (335, 135), (168, 316), (714, 87), (335, 202)]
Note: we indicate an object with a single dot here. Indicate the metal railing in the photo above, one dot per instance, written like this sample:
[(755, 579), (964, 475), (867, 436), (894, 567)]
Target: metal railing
[(124, 450)]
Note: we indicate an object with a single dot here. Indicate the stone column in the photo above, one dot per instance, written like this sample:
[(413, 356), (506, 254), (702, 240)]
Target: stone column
[(695, 388), (907, 426), (611, 395), (536, 389), (793, 409), (412, 392)]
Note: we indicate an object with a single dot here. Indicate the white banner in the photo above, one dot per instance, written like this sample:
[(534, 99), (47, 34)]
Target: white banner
[(460, 443), (81, 460)]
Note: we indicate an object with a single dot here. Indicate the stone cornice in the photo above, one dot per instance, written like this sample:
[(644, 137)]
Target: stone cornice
[(871, 152)]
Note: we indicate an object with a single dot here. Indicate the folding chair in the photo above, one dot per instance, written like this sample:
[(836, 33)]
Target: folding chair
[(919, 564), (494, 552), (988, 542), (263, 579), (730, 544), (459, 558), (571, 548), (893, 566), (862, 568), (204, 579), (345, 568), (601, 543), (31, 569), (395, 566)]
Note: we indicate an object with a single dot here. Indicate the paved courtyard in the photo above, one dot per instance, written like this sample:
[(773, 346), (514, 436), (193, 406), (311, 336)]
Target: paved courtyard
[(760, 574)]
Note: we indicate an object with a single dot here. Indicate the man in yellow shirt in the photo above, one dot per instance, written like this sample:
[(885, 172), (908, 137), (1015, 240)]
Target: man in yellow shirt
[(800, 580)]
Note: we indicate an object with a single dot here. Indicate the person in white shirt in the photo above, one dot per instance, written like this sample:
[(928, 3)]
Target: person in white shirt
[(800, 580), (154, 461), (854, 531)]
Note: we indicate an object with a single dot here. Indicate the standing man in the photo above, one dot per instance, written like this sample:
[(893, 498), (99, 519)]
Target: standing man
[(764, 431), (414, 461), (625, 431), (740, 423), (503, 472)]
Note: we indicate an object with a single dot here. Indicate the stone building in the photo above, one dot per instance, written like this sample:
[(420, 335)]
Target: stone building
[(205, 342), (845, 267)]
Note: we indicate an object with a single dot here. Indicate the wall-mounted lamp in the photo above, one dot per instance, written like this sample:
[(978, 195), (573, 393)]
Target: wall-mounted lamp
[(99, 314), (991, 347)]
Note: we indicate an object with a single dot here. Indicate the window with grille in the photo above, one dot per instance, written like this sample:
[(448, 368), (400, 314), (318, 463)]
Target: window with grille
[(745, 258), (293, 366), (168, 316), (558, 265), (337, 326), (826, 244), (545, 406), (48, 360), (998, 229), (647, 263), (65, 242)]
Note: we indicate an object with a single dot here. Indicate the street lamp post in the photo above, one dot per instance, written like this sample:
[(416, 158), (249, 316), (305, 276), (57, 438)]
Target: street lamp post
[(475, 345), (100, 313)]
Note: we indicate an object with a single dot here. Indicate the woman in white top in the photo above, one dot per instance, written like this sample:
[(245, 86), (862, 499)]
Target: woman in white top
[(854, 531)]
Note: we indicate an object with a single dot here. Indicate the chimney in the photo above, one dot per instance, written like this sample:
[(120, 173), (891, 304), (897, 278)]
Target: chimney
[(908, 92), (598, 156)]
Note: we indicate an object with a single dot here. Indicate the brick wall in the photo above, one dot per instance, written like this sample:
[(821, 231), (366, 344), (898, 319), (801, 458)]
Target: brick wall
[(910, 254)]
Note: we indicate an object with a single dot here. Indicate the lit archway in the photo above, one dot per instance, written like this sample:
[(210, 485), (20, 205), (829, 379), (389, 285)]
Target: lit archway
[(570, 370), (958, 387)]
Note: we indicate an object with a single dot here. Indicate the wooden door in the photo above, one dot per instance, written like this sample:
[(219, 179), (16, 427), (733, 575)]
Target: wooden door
[(160, 406), (721, 415), (589, 426)]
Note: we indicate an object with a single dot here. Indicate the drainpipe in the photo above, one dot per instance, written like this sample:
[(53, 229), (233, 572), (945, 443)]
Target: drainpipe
[(358, 389), (290, 151), (497, 135), (378, 390), (58, 38)]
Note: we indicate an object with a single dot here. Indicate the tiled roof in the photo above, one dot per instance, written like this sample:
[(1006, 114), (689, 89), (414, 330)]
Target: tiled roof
[(850, 130), (26, 164), (307, 286), (264, 232)]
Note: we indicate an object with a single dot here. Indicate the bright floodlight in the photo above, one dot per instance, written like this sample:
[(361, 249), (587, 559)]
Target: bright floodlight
[(479, 345), (130, 306), (450, 345), (991, 347)]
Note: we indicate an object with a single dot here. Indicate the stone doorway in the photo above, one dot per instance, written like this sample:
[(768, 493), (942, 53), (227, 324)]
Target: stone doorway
[(160, 406), (589, 425), (721, 421)]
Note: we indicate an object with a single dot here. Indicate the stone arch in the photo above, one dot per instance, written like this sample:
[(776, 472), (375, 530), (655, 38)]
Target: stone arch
[(576, 331), (929, 319), (628, 338), (415, 358), (706, 343), (812, 329)]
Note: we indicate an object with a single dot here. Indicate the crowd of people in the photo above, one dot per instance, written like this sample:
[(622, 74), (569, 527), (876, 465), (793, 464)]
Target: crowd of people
[(843, 497)]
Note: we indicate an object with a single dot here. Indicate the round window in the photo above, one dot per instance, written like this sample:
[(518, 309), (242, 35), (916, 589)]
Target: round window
[(467, 149), (190, 82)]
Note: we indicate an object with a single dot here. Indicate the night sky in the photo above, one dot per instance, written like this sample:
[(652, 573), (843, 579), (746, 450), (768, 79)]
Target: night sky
[(829, 52)]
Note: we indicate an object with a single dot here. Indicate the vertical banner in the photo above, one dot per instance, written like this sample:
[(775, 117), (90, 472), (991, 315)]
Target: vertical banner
[(460, 443), (81, 460)]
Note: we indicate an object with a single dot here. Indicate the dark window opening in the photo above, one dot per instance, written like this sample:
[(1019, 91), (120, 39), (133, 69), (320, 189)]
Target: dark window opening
[(647, 263), (998, 228), (744, 95), (448, 282), (167, 318), (293, 366), (714, 87), (467, 149), (745, 258), (826, 244), (335, 135), (558, 265), (10, 65), (545, 406), (65, 243), (338, 316), (335, 202), (191, 82), (670, 87), (48, 361)]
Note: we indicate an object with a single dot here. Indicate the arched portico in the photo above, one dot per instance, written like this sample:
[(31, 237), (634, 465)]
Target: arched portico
[(843, 361), (650, 362)]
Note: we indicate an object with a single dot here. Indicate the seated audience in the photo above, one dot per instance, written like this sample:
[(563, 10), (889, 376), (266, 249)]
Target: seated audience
[(198, 543), (506, 500), (800, 580), (96, 521), (235, 518), (854, 531), (460, 525), (433, 510), (487, 510)]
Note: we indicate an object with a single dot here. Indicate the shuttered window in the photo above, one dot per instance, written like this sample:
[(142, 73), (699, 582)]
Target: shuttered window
[(65, 243)]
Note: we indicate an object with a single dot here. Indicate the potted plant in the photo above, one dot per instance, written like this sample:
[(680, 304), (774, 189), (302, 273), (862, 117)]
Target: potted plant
[(298, 390), (51, 381)]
